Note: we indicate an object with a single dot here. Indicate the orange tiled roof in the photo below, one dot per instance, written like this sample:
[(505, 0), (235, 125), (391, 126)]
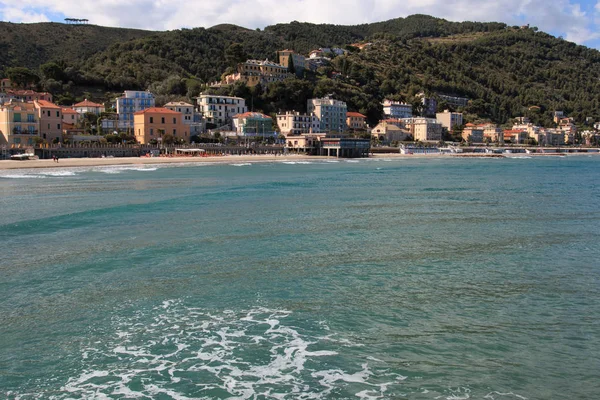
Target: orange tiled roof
[(355, 114), (87, 103), (47, 104), (156, 110), (69, 111)]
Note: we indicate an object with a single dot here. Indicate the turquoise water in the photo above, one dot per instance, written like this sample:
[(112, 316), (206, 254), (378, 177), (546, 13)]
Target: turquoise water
[(406, 278)]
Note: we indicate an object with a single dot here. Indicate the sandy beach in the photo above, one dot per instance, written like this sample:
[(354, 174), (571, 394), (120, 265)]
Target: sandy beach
[(95, 162)]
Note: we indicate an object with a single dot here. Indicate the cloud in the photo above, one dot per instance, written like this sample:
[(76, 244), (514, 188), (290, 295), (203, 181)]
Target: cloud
[(561, 17)]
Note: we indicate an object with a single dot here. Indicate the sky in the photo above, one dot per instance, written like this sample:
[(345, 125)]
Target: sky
[(576, 20)]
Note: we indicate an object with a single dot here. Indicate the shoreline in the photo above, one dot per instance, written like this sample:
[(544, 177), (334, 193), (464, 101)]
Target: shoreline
[(99, 162)]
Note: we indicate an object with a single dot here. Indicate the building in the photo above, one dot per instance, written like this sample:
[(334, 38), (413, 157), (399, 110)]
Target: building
[(396, 109), (473, 133), (449, 120), (19, 124), (429, 105), (254, 72), (492, 133), (130, 103), (156, 122), (50, 118), (345, 147), (424, 129), (294, 123), (220, 110), (306, 142), (70, 116), (5, 84), (298, 61), (190, 117), (253, 124), (29, 95), (331, 114), (557, 116), (515, 136), (87, 106), (392, 130), (454, 101), (356, 121)]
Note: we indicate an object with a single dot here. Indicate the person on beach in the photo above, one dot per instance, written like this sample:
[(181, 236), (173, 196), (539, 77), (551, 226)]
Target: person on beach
[(53, 158)]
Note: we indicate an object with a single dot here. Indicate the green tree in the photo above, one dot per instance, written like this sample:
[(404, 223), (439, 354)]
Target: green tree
[(22, 76)]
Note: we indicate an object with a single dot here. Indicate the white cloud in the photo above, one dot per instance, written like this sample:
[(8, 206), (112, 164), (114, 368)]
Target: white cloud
[(563, 17)]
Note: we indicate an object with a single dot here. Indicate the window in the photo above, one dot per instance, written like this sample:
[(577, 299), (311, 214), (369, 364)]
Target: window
[(49, 113), (58, 113), (174, 120), (30, 118), (174, 132), (17, 118), (151, 132), (57, 126), (151, 120), (162, 120)]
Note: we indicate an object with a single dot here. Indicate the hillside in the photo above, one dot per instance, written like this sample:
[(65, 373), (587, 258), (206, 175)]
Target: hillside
[(503, 70), (30, 45)]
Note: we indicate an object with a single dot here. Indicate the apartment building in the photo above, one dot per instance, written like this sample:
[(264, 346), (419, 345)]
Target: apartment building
[(397, 109), (130, 103), (70, 116), (356, 121), (220, 110), (19, 123), (190, 116), (424, 129), (295, 123), (473, 133), (297, 60), (156, 122), (253, 72), (50, 120), (332, 114), (449, 120)]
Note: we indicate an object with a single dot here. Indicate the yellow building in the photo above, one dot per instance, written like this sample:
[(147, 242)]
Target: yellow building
[(19, 124), (50, 117), (356, 121), (156, 122), (297, 60)]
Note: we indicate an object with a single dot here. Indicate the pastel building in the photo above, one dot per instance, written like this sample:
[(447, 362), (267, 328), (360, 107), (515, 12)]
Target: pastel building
[(253, 72), (290, 56), (70, 116), (390, 130), (28, 95), (295, 123), (356, 121), (220, 110), (50, 117), (130, 103), (19, 124), (332, 114), (87, 106), (396, 109), (156, 122), (449, 119), (424, 129), (472, 133)]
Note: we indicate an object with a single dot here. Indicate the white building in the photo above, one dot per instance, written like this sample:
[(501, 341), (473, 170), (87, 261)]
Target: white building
[(294, 123), (87, 106), (131, 102), (396, 109), (220, 110), (330, 113)]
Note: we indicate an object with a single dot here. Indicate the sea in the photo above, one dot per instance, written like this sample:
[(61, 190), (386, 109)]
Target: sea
[(441, 278)]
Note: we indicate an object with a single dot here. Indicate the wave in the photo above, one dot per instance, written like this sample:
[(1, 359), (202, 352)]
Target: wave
[(183, 352), (22, 176), (241, 165)]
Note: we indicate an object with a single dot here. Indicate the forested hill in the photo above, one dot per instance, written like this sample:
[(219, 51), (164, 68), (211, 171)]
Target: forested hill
[(505, 71)]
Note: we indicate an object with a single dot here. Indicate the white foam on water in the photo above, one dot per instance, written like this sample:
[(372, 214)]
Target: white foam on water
[(22, 176), (58, 173), (241, 165), (352, 161)]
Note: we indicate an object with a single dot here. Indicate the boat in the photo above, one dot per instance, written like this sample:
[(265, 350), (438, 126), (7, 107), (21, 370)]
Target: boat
[(23, 157)]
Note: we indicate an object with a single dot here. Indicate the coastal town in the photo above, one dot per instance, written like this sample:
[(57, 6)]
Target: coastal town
[(29, 119)]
